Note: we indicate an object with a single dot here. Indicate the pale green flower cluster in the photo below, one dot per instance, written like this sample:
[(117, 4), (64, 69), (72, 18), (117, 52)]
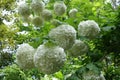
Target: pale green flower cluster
[(47, 15), (24, 10), (73, 13), (37, 6), (78, 48), (37, 21), (59, 8)]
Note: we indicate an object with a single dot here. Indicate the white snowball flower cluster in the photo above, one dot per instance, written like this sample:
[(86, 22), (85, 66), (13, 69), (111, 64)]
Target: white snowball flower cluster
[(78, 48), (24, 56), (63, 35), (37, 21), (49, 59), (88, 29), (47, 15), (73, 12), (37, 6), (59, 8), (24, 10)]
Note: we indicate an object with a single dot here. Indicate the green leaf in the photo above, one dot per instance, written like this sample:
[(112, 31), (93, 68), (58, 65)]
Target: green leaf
[(59, 75)]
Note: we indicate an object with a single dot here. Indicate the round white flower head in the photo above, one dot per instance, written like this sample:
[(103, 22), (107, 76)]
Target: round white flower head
[(56, 22), (49, 59), (63, 35), (73, 12), (38, 21), (37, 6), (24, 10), (59, 8), (47, 15), (24, 56), (78, 48), (88, 29)]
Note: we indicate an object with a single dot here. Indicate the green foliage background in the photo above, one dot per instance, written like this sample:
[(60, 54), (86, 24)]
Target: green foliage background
[(103, 55)]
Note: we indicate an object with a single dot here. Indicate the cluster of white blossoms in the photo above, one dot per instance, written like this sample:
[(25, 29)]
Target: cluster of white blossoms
[(37, 21), (63, 35), (59, 8), (49, 59), (78, 48), (24, 56), (37, 6), (89, 29), (73, 13), (24, 10), (47, 15)]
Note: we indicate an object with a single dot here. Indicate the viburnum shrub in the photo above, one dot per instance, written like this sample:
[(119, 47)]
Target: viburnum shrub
[(78, 48), (59, 8), (24, 56), (89, 29), (73, 13), (49, 58), (63, 35)]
